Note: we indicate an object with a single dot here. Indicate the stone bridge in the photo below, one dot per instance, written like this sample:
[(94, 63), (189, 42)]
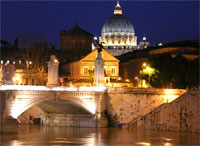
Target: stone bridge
[(84, 105)]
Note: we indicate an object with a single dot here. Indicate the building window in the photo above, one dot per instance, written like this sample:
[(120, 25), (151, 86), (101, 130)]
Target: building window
[(105, 70), (113, 70), (67, 46), (85, 70), (78, 45)]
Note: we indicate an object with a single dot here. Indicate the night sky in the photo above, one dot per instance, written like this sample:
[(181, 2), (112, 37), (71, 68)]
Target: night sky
[(164, 22)]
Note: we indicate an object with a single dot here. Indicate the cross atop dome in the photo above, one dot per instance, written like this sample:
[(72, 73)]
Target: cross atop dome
[(117, 9)]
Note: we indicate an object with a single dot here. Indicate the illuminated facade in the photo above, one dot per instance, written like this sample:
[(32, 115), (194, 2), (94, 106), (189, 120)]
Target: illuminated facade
[(24, 75), (143, 44), (118, 35), (84, 68)]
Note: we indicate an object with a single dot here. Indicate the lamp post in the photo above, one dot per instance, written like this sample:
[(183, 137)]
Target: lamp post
[(28, 63), (142, 73), (148, 70)]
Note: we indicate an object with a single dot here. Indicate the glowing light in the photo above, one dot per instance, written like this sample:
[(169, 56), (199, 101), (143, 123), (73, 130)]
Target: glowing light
[(127, 80), (168, 139), (169, 91), (63, 89), (44, 88), (170, 95), (15, 112), (167, 144), (23, 87), (144, 64), (16, 78), (95, 38), (90, 106), (92, 88), (144, 38), (148, 68), (61, 80), (136, 78), (55, 60), (30, 62), (144, 143)]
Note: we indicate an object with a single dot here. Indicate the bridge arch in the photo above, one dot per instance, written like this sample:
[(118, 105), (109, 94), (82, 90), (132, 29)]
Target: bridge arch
[(21, 105)]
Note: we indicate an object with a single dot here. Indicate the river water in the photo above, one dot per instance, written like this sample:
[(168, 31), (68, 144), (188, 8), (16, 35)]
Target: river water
[(33, 135)]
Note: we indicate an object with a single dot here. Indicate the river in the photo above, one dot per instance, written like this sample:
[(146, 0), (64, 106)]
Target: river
[(34, 135)]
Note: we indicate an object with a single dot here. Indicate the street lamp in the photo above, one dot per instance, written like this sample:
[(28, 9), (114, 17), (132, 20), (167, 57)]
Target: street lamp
[(144, 64), (28, 63), (137, 81)]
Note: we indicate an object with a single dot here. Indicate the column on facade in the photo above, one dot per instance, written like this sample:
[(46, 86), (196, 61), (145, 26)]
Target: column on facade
[(131, 41), (128, 41)]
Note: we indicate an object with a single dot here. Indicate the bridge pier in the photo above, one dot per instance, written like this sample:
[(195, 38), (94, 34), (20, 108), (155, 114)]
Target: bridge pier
[(9, 125)]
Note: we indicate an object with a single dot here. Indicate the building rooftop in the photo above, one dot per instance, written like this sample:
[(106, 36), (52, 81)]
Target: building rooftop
[(181, 47), (76, 30)]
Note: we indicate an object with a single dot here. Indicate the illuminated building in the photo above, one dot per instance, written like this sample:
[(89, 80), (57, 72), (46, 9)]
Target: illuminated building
[(83, 68), (25, 74), (143, 44), (118, 35), (81, 72)]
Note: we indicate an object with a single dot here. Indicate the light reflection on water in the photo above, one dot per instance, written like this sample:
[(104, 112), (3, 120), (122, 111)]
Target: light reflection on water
[(31, 135)]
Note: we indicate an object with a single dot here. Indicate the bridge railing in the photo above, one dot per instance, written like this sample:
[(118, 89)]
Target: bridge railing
[(127, 90), (46, 88)]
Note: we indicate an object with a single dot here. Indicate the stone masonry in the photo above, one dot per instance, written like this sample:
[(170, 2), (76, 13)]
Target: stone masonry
[(180, 115)]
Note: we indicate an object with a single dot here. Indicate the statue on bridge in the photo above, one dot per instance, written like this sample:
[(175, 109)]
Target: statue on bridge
[(99, 66), (98, 45)]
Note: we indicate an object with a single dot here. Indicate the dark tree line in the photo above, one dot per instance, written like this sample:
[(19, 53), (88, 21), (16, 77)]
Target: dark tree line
[(33, 52), (177, 72)]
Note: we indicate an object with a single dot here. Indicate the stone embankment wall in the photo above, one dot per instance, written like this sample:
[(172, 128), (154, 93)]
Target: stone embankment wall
[(180, 115), (126, 104), (68, 120)]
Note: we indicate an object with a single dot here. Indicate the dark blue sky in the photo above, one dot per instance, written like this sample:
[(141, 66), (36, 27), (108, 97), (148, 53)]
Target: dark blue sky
[(164, 22)]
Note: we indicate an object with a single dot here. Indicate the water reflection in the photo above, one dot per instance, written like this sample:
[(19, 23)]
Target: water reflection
[(31, 135)]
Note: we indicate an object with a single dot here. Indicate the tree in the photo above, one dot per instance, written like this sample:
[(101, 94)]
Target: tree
[(36, 55), (163, 64), (177, 72)]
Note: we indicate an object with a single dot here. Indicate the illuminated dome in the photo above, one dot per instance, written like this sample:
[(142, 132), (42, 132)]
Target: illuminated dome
[(118, 25), (118, 35), (144, 43)]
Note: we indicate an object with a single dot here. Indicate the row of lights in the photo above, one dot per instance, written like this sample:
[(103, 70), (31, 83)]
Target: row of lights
[(20, 62), (8, 62)]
